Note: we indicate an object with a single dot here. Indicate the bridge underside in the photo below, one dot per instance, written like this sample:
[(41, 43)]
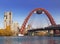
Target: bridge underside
[(48, 31)]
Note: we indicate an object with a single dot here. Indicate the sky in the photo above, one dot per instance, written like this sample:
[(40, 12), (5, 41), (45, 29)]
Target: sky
[(21, 8)]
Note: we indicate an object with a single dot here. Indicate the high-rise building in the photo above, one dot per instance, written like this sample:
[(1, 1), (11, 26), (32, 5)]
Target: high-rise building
[(7, 19), (15, 28)]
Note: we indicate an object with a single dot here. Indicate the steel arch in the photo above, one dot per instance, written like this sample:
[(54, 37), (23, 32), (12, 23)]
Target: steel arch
[(31, 13)]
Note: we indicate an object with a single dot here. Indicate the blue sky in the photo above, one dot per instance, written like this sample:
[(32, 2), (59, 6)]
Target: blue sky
[(21, 8)]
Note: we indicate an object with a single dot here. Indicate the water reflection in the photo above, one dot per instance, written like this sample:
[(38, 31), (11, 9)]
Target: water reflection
[(30, 40)]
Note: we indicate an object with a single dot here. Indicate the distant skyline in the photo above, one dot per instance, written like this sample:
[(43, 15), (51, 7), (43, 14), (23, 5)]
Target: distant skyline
[(21, 8)]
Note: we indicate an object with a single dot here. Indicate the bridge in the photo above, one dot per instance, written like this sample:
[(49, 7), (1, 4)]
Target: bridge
[(46, 31), (37, 11)]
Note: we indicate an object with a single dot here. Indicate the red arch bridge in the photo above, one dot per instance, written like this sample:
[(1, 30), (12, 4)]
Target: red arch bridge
[(37, 11)]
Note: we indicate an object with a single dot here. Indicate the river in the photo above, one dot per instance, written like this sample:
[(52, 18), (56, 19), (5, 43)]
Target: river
[(29, 40)]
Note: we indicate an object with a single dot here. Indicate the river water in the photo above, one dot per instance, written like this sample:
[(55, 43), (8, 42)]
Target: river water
[(30, 40)]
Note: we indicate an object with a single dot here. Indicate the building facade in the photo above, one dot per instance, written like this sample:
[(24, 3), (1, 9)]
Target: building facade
[(15, 28), (7, 19)]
